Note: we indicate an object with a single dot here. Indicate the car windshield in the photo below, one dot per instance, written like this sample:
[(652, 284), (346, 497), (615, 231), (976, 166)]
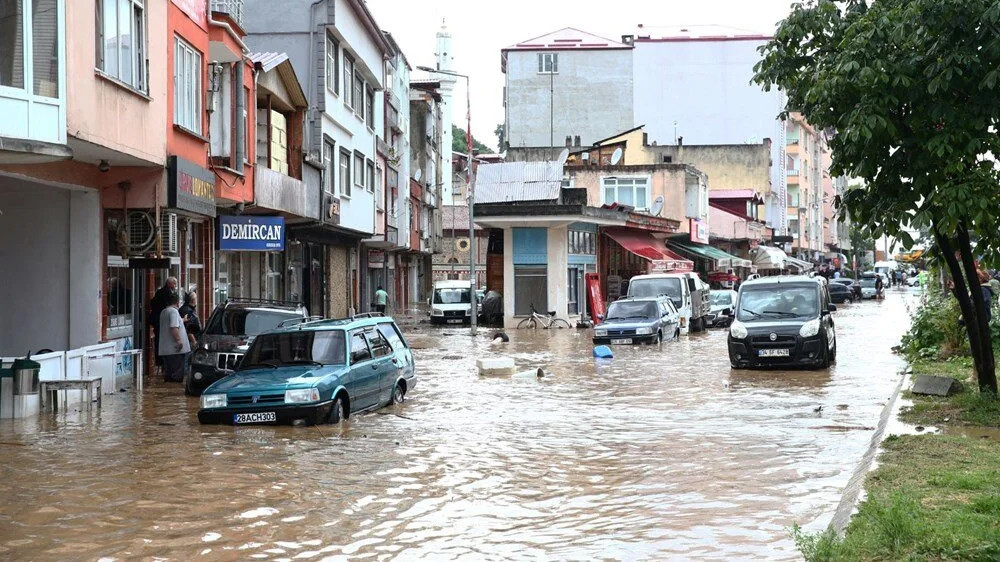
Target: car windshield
[(247, 321), (868, 282), (758, 303), (296, 348), (452, 296), (654, 287), (632, 310), (724, 298)]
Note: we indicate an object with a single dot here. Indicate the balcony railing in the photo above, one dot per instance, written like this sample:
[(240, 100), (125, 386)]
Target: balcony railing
[(232, 8)]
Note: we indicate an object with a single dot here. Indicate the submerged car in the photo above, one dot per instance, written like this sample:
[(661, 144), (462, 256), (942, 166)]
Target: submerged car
[(783, 322), (315, 372), (230, 329), (840, 293), (723, 307), (851, 284), (638, 320), (867, 283)]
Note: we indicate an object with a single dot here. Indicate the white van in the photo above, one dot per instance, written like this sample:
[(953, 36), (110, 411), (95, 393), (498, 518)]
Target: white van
[(451, 302), (690, 295)]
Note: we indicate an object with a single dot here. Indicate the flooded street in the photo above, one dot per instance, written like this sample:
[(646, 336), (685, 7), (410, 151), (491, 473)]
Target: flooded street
[(655, 454)]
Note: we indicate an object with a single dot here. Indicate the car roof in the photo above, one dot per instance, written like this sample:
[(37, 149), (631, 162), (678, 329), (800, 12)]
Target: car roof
[(640, 299), (452, 284), (255, 304), (783, 280), (335, 324)]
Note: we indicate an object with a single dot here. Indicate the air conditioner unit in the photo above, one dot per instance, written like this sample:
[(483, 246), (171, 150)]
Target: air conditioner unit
[(168, 233)]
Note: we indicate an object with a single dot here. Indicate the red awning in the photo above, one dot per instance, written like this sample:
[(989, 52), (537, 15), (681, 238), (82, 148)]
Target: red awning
[(643, 244)]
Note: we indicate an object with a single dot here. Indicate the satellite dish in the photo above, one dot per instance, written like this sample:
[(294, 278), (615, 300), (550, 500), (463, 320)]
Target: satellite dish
[(563, 156), (657, 207), (616, 156), (419, 174)]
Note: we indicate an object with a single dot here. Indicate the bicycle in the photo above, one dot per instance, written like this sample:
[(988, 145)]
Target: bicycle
[(546, 320)]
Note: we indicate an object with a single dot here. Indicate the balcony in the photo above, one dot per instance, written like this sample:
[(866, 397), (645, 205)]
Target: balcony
[(231, 8), (276, 191), (389, 240)]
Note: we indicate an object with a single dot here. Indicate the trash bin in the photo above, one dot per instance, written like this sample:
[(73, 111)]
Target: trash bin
[(26, 375)]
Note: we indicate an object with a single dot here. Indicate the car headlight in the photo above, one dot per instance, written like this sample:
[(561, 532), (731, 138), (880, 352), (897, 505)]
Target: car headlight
[(738, 330), (201, 357), (213, 401), (810, 328), (643, 331), (436, 312), (300, 395), (600, 333)]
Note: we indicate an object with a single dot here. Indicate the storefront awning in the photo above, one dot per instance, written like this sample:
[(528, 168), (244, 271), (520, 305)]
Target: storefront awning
[(721, 258), (769, 257), (795, 263), (645, 246)]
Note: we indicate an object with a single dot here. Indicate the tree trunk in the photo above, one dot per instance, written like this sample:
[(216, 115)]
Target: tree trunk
[(985, 372)]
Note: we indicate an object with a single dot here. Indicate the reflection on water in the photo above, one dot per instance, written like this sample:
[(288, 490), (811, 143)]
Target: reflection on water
[(659, 452)]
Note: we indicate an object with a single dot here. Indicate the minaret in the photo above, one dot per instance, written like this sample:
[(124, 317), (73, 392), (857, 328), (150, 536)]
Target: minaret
[(444, 58)]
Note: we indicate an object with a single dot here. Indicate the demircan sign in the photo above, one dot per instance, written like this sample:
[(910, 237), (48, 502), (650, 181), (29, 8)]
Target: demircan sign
[(247, 233)]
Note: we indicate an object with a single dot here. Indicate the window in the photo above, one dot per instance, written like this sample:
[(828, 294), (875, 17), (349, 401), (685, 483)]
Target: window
[(332, 69), (187, 86), (548, 63), (380, 347), (121, 41), (370, 175), (370, 108), (793, 197), (392, 335), (348, 80), (345, 173), (573, 291), (530, 288), (793, 227), (359, 94), (359, 170), (40, 20), (379, 189), (359, 348), (627, 191), (328, 169), (582, 242)]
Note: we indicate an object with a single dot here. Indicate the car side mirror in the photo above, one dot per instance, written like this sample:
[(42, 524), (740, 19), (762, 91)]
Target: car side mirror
[(831, 307)]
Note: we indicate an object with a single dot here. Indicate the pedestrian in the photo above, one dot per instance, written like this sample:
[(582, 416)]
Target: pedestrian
[(381, 299), (836, 274), (159, 302), (189, 314), (987, 289), (879, 286), (174, 344)]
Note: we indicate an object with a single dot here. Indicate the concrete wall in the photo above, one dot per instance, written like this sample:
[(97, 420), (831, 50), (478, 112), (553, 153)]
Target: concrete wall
[(50, 248), (740, 166), (669, 182), (105, 113), (557, 271), (591, 96)]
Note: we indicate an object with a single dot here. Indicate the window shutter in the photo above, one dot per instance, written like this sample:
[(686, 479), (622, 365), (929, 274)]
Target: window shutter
[(239, 148), (555, 62), (541, 62)]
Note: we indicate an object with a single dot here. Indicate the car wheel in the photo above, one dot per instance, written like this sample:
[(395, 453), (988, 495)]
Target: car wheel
[(825, 361), (658, 340), (398, 393), (833, 354), (337, 412), (188, 387)]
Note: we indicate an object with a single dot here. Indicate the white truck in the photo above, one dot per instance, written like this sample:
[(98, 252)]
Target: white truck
[(691, 296)]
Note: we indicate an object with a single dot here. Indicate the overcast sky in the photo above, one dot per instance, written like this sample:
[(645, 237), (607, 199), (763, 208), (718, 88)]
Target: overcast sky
[(480, 29)]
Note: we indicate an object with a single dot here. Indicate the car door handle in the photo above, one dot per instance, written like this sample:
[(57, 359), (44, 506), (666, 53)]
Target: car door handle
[(374, 366), (395, 361)]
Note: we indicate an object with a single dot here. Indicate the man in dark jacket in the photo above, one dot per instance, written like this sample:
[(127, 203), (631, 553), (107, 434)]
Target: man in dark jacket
[(160, 300)]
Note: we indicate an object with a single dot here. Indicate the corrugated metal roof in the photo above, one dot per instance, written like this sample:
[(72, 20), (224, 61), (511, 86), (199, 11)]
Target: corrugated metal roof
[(267, 61), (518, 181)]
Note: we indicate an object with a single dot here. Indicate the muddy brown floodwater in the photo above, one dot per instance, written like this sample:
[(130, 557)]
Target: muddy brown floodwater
[(658, 453)]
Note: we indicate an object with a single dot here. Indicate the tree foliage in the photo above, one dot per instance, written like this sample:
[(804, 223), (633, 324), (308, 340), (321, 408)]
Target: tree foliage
[(458, 142), (912, 89)]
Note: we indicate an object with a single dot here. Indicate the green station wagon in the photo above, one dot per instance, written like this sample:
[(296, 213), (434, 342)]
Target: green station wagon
[(314, 372)]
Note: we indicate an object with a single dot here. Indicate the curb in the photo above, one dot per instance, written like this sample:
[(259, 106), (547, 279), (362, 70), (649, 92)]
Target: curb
[(852, 491)]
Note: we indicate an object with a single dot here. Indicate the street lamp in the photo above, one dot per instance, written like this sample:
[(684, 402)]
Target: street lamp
[(473, 312)]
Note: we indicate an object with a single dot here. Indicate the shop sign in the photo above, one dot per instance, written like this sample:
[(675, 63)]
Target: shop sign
[(699, 231), (190, 187), (670, 266), (247, 233), (376, 258)]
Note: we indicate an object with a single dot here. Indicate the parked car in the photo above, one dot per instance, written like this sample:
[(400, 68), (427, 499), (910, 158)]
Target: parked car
[(783, 321), (689, 294), (315, 372), (230, 329), (451, 302), (638, 320), (840, 293), (851, 284), (723, 307)]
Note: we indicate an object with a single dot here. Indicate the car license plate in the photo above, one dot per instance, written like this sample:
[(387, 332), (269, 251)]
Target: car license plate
[(455, 321), (256, 417), (621, 341), (772, 353)]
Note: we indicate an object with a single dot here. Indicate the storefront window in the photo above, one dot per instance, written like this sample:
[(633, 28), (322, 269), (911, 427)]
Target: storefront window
[(530, 289), (120, 292)]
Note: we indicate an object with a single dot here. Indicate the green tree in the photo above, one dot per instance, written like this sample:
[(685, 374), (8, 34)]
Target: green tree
[(501, 141), (458, 143), (911, 88)]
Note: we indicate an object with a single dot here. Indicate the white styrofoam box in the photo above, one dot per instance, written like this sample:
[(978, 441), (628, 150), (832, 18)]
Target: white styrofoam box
[(496, 366)]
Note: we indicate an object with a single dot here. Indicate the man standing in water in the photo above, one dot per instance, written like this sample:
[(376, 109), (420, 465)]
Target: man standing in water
[(381, 299), (174, 345), (160, 301)]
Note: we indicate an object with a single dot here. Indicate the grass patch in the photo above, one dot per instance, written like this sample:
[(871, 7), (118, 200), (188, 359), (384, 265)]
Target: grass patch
[(933, 497), (968, 407)]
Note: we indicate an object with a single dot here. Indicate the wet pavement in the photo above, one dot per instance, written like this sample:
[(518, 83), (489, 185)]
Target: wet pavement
[(658, 453)]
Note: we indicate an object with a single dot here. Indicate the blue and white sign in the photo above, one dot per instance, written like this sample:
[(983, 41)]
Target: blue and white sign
[(247, 233)]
